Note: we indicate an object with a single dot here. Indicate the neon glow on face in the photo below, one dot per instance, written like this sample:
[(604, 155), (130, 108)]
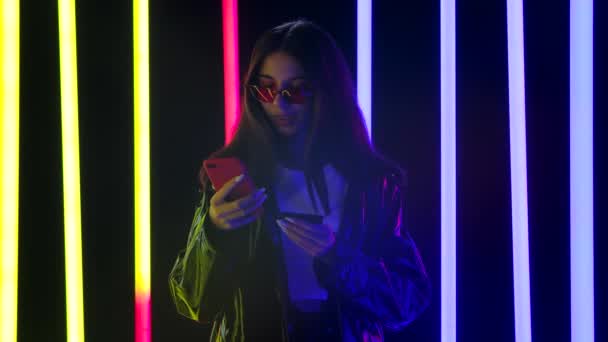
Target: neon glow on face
[(281, 71)]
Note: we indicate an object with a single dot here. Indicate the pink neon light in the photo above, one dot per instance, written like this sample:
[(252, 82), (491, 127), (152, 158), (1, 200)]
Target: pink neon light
[(231, 66), (143, 329)]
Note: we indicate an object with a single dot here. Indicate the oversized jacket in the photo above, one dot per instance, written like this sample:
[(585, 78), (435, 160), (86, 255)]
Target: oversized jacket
[(236, 280)]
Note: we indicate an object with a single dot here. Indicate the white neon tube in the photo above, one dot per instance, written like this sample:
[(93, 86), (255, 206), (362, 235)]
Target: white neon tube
[(519, 180), (581, 171), (364, 61), (448, 170)]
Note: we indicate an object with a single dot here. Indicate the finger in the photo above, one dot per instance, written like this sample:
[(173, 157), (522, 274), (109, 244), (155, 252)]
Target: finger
[(236, 223), (317, 238), (314, 232), (307, 226), (322, 236), (248, 210), (248, 201), (306, 244), (309, 246), (220, 196), (302, 235), (239, 207)]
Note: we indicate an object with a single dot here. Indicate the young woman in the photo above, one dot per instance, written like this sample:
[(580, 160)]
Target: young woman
[(276, 276)]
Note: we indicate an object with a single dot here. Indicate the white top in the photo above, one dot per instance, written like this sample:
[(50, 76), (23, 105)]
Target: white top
[(292, 196)]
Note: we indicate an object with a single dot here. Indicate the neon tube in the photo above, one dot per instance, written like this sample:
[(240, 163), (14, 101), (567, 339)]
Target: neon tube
[(581, 171), (448, 170), (71, 171), (231, 66), (519, 181), (9, 167), (142, 170), (364, 61)]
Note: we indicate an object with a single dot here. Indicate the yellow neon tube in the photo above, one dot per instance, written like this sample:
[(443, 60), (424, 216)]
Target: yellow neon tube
[(142, 171), (9, 167), (71, 171)]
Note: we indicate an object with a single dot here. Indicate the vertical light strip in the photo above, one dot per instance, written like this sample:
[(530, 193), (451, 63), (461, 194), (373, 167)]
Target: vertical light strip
[(519, 180), (364, 61), (142, 170), (231, 66), (448, 170), (9, 167), (71, 170), (581, 170)]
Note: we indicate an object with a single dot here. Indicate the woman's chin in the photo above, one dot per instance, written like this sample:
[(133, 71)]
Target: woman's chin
[(287, 131)]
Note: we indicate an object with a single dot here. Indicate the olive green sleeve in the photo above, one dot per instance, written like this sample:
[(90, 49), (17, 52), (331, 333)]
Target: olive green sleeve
[(206, 273), (190, 271)]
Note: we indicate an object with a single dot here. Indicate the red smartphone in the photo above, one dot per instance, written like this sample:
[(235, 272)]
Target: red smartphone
[(221, 170)]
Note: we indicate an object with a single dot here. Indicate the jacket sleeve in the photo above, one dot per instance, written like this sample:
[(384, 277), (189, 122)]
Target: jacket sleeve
[(385, 280), (205, 274)]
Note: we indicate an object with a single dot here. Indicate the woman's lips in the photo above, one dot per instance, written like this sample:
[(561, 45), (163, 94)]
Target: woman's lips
[(285, 120)]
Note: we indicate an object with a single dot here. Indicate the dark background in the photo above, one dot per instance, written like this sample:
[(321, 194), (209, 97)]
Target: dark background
[(187, 125)]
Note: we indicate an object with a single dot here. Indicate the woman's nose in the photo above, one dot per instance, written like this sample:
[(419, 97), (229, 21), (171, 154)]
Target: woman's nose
[(280, 101)]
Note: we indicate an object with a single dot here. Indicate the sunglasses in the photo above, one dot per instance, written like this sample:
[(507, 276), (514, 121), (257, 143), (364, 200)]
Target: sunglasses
[(293, 95)]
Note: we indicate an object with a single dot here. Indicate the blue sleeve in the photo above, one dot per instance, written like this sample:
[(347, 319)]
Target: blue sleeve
[(385, 280)]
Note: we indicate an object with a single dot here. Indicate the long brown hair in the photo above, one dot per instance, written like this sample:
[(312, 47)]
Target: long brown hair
[(337, 133)]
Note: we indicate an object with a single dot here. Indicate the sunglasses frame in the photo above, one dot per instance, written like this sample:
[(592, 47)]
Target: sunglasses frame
[(257, 92)]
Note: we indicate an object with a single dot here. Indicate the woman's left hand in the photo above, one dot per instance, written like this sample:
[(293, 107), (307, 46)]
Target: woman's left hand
[(315, 239)]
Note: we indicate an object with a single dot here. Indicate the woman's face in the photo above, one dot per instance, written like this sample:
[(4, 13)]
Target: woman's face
[(279, 72)]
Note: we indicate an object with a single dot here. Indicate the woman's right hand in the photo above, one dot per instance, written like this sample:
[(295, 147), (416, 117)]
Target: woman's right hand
[(229, 215)]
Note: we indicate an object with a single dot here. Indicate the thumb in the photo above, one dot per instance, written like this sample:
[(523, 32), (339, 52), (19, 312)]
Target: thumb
[(228, 187)]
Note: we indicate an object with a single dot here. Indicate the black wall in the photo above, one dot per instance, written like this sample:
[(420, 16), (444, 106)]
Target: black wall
[(187, 125)]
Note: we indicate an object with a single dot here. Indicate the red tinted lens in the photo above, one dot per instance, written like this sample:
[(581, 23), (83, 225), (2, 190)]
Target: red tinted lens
[(262, 94), (293, 95), (296, 95)]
